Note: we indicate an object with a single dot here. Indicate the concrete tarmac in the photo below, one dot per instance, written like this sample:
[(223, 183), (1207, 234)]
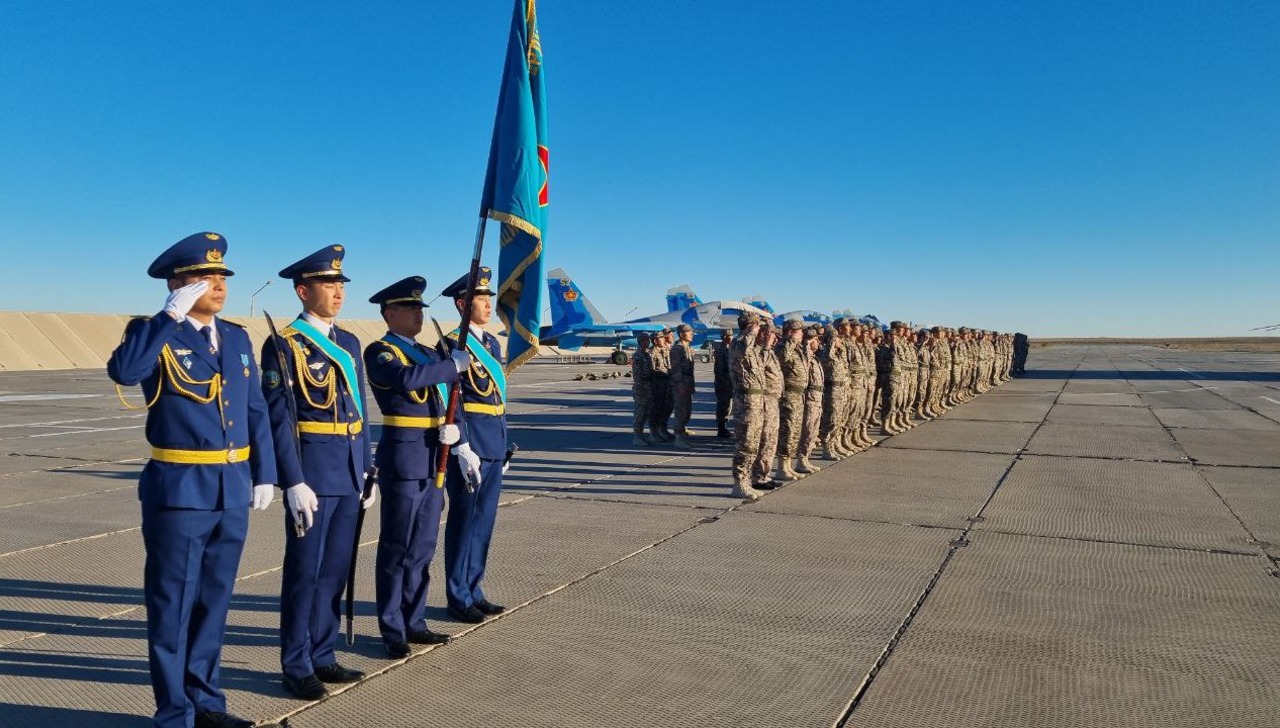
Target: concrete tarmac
[(1092, 545)]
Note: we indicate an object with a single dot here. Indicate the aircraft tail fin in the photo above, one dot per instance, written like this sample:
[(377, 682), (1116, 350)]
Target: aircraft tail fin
[(759, 301), (569, 306), (681, 297)]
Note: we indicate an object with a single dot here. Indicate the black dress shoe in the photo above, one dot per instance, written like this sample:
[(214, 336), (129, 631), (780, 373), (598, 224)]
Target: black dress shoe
[(489, 607), (470, 615), (213, 719), (397, 650), (306, 688), (336, 673), (427, 637)]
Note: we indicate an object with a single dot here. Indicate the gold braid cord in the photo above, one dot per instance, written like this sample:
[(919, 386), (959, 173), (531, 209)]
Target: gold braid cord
[(305, 381), (180, 383), (418, 396)]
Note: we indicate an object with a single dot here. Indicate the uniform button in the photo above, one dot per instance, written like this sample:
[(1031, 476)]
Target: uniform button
[(231, 423), (226, 401)]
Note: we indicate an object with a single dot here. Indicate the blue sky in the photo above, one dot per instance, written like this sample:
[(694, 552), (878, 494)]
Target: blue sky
[(1060, 168)]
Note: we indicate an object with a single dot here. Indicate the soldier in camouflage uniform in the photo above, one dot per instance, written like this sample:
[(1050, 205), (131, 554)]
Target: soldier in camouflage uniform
[(860, 370), (866, 341), (940, 373), (747, 371), (660, 408), (723, 382), (904, 360), (771, 371), (748, 328), (682, 383), (791, 353), (641, 389), (924, 370), (884, 358), (985, 356), (812, 401), (835, 364)]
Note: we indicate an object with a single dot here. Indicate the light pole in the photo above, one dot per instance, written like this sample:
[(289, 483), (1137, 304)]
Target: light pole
[(255, 294)]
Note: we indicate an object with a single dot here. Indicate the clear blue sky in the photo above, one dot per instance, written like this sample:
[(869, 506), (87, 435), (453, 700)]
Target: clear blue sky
[(1060, 168)]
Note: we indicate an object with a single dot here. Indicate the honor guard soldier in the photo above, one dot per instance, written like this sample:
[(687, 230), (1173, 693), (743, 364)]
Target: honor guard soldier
[(211, 456), (475, 475), (323, 457), (682, 383), (409, 383)]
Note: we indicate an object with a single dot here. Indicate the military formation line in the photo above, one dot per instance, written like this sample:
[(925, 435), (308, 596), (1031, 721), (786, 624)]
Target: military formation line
[(800, 387)]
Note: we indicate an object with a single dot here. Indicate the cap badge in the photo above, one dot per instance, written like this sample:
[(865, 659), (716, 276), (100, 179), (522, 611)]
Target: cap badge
[(336, 264), (213, 236), (214, 255)]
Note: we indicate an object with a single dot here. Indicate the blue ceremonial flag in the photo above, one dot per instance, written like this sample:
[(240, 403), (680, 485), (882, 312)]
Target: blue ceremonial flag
[(515, 186)]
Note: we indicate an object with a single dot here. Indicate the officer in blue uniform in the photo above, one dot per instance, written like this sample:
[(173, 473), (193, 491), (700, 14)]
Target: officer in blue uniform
[(473, 496), (211, 456), (409, 383), (323, 459)]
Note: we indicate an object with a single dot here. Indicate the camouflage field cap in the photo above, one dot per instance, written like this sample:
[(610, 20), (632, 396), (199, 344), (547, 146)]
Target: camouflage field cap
[(683, 328), (793, 325), (745, 319)]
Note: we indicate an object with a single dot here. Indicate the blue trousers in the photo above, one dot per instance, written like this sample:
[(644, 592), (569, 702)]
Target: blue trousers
[(315, 574), (406, 543), (191, 563), (468, 531)]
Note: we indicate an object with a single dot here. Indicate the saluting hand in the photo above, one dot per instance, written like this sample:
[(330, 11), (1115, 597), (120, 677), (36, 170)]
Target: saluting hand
[(180, 300)]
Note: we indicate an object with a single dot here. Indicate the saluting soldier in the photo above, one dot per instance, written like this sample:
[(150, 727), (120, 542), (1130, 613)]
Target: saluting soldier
[(475, 474), (771, 371), (323, 459), (812, 400), (835, 365), (409, 384), (791, 355), (749, 396), (211, 456)]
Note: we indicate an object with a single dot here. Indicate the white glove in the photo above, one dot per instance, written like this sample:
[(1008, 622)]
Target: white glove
[(469, 462), (302, 500), (461, 359), (373, 497), (180, 301), (449, 434), (263, 495)]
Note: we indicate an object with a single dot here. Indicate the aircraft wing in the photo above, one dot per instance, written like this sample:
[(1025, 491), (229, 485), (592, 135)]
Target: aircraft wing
[(596, 335)]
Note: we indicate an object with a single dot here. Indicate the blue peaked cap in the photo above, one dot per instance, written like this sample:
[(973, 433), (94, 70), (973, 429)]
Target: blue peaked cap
[(325, 264), (407, 292), (458, 289), (198, 254)]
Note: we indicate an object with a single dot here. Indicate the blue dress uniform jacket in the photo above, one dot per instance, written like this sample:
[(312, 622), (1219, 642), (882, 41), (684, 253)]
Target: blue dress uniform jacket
[(404, 379), (336, 452), (472, 515), (207, 425)]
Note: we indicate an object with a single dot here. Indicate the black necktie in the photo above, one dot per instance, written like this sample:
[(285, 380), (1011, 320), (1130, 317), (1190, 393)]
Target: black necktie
[(333, 334), (207, 333)]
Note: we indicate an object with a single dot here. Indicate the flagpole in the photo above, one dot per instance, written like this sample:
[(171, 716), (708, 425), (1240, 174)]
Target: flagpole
[(464, 329)]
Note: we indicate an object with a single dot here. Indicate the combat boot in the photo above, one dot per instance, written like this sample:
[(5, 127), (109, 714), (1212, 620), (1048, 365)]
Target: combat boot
[(681, 442), (723, 432), (831, 451), (847, 444), (641, 440), (785, 473), (804, 467), (865, 435), (744, 491), (664, 434)]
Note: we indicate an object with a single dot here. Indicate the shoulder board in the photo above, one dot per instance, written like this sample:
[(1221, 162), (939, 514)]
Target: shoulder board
[(139, 318), (233, 323)]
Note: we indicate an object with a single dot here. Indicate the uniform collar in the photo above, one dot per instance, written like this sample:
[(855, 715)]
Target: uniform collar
[(318, 323), (213, 325)]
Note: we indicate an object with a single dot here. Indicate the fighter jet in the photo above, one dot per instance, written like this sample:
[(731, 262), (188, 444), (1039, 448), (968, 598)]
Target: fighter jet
[(576, 323), (806, 315)]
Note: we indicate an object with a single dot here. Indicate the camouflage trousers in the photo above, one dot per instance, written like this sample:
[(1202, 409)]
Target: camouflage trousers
[(791, 421), (747, 426), (835, 403), (643, 401), (938, 389), (922, 388), (768, 439), (856, 411), (682, 396), (812, 422)]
